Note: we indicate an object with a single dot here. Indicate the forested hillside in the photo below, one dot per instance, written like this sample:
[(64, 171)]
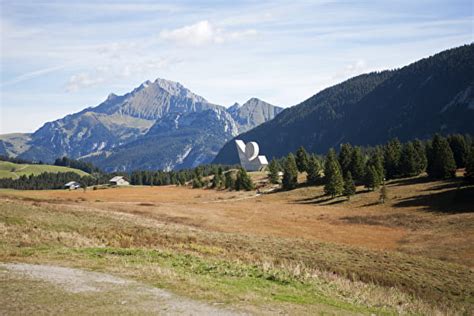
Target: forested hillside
[(433, 95)]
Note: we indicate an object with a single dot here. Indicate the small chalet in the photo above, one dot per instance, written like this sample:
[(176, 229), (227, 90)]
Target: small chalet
[(73, 185), (118, 180)]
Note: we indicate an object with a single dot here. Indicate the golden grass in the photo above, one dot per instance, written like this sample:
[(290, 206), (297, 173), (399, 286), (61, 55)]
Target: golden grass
[(412, 254)]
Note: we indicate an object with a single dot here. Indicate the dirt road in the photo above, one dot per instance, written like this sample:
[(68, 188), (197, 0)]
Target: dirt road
[(77, 291)]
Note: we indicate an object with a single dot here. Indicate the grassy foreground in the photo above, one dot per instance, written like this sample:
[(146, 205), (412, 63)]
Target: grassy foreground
[(14, 170), (247, 272)]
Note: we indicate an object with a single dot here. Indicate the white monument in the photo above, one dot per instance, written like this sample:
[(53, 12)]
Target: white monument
[(248, 155)]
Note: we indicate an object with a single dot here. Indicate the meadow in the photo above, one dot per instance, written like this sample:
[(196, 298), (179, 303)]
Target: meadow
[(295, 252), (14, 170)]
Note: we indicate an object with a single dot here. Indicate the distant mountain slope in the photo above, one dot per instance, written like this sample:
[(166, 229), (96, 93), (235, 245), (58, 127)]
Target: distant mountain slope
[(137, 121), (14, 170), (175, 141), (252, 113), (433, 95)]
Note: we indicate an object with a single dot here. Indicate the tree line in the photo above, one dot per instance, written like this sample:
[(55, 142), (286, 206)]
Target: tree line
[(340, 172), (77, 164), (223, 178), (19, 160), (49, 181)]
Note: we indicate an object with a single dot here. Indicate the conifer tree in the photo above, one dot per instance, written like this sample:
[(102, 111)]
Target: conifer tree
[(345, 158), (372, 178), (216, 180), (290, 173), (243, 181), (302, 159), (392, 152), (229, 180), (460, 149), (357, 166), (374, 171), (220, 175), (408, 165), (469, 173), (421, 161), (441, 164), (349, 186), (333, 181), (274, 169), (314, 171), (197, 180)]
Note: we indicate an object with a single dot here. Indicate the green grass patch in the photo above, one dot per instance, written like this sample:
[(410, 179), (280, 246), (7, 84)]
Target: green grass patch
[(14, 170)]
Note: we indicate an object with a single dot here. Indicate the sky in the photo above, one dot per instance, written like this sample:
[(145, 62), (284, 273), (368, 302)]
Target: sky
[(59, 57)]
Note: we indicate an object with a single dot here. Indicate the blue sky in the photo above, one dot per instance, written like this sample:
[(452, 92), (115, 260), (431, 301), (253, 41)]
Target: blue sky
[(58, 57)]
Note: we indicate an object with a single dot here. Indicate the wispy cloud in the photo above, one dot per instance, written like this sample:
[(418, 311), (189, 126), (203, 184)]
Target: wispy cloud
[(82, 80), (202, 33), (31, 75)]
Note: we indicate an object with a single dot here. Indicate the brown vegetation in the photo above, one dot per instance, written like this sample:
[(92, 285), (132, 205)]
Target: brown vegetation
[(421, 240)]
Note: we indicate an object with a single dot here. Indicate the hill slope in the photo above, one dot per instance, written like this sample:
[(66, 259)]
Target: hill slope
[(433, 95), (14, 170)]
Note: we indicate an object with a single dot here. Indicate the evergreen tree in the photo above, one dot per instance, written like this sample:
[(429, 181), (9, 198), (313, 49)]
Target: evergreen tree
[(409, 165), (469, 173), (302, 159), (421, 161), (290, 173), (372, 177), (374, 171), (220, 175), (349, 186), (345, 158), (197, 180), (229, 180), (274, 169), (460, 149), (357, 166), (216, 181), (392, 153), (314, 171), (243, 181), (334, 183), (376, 160), (441, 164)]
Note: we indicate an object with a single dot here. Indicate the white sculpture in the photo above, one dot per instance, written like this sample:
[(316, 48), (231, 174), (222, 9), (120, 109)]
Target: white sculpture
[(248, 155)]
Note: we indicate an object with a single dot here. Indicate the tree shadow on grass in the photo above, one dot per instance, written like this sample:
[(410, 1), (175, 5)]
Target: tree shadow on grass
[(458, 200), (321, 199), (447, 184), (408, 181)]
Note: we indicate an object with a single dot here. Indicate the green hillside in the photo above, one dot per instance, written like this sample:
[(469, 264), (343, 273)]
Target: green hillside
[(14, 170)]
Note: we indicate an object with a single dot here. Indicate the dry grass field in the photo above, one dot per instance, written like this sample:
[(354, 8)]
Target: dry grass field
[(292, 252)]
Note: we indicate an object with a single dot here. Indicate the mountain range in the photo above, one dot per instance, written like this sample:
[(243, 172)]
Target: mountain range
[(432, 95), (163, 125), (158, 125)]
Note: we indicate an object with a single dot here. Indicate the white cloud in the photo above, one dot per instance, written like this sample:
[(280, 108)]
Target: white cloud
[(82, 80), (202, 33), (113, 72)]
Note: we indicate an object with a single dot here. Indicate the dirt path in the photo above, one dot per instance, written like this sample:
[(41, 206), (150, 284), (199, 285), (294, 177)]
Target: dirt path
[(105, 293)]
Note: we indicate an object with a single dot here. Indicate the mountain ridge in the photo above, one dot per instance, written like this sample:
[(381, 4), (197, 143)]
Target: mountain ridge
[(96, 133)]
